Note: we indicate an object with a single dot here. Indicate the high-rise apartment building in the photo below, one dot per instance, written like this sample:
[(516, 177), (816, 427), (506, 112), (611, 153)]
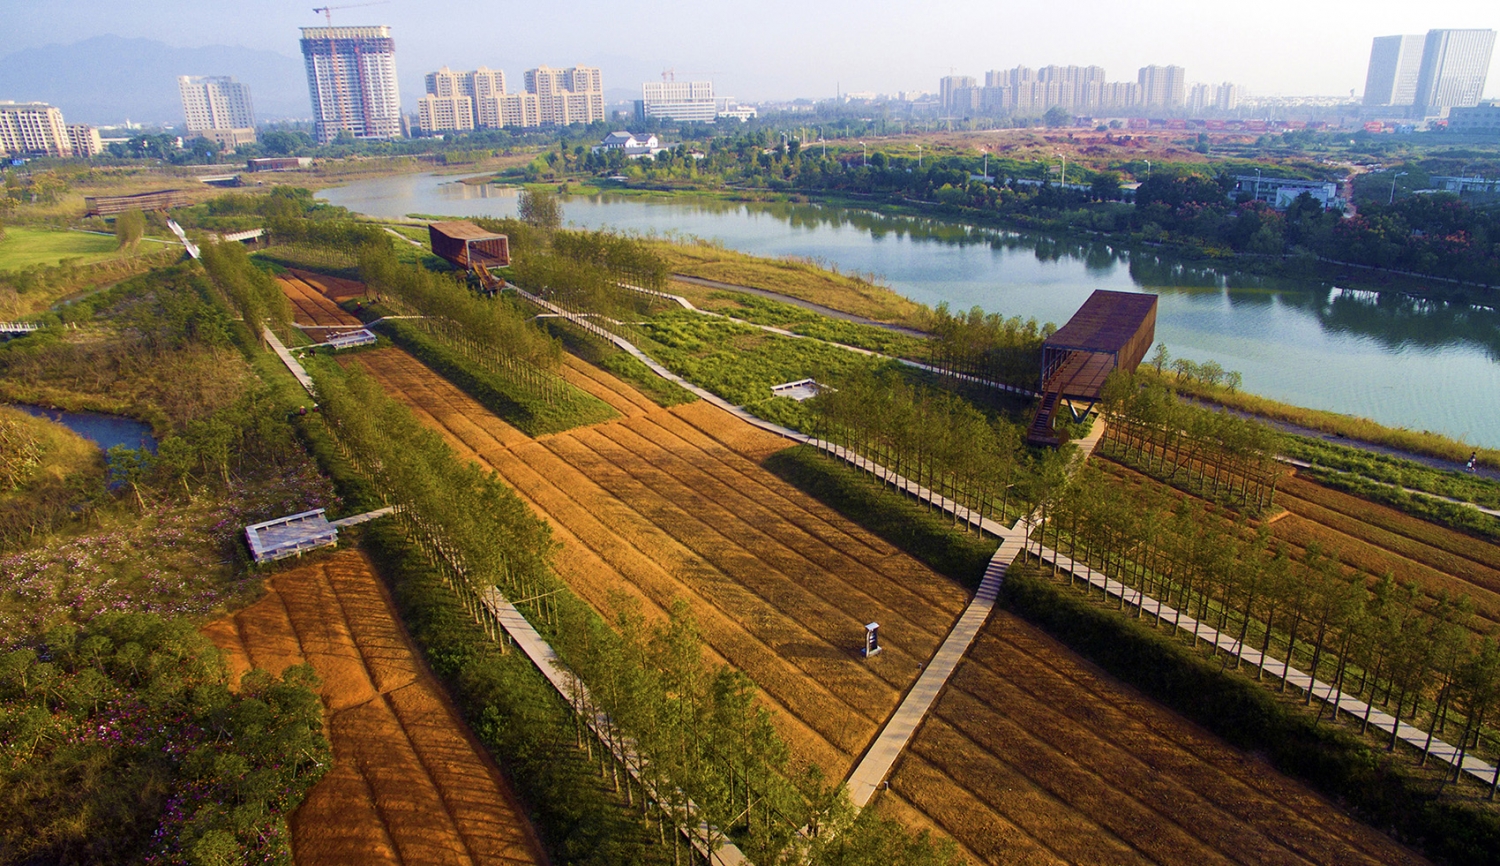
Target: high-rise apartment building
[(351, 76), (1395, 65), (955, 93), (1163, 87), (218, 108), (1227, 97), (565, 96), (34, 129), (462, 100), (458, 101), (1455, 64), (85, 140)]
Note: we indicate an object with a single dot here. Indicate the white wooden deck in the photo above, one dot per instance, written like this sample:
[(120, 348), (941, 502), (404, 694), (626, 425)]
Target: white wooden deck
[(291, 364)]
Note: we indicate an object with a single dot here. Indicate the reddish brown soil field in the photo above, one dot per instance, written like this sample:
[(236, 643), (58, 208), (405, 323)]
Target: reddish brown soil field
[(1032, 756), (311, 307), (408, 783), (673, 504)]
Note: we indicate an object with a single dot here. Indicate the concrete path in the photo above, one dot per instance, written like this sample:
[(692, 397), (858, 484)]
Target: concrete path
[(798, 302), (1493, 512)]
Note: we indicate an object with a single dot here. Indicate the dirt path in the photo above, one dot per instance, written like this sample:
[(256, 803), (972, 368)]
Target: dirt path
[(662, 505), (408, 784)]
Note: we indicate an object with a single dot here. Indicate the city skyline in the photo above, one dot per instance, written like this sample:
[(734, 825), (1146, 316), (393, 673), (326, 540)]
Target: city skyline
[(1321, 54)]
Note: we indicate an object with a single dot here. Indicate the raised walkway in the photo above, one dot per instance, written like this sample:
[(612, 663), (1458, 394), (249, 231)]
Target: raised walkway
[(876, 763), (709, 843), (291, 363)]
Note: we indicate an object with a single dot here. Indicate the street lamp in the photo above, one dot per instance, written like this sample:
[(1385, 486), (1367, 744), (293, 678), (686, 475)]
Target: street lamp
[(1393, 187), (1064, 157), (986, 152), (919, 156), (822, 141), (864, 159)]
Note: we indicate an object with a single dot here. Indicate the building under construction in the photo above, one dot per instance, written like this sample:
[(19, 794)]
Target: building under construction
[(1111, 331), (467, 246)]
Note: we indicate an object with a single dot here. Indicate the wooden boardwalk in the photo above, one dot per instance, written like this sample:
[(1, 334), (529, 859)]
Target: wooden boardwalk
[(291, 363), (1325, 692)]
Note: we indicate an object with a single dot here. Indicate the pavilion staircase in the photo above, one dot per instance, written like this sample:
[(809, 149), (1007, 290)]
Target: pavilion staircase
[(1041, 431)]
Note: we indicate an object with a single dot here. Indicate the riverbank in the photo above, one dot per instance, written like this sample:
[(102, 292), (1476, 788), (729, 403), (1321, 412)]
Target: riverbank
[(1286, 266)]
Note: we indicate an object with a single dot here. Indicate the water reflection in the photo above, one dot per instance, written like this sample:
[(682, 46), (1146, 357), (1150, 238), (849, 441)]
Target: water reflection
[(1425, 364)]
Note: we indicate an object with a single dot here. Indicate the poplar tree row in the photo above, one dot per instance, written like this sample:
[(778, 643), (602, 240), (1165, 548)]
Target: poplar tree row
[(697, 732), (1220, 456), (1418, 658), (494, 335), (986, 345), (245, 288), (936, 439)]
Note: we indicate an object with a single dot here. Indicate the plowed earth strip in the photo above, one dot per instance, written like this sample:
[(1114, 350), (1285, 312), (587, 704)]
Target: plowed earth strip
[(666, 505), (408, 783), (1031, 747), (311, 307)]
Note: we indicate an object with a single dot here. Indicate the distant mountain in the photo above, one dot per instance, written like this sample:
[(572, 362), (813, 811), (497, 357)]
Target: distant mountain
[(106, 79)]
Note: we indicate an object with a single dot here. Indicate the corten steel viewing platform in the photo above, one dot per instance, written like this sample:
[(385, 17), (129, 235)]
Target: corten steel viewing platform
[(1111, 331), (470, 247)]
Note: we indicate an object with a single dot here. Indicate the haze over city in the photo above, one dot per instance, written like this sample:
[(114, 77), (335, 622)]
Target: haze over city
[(780, 49)]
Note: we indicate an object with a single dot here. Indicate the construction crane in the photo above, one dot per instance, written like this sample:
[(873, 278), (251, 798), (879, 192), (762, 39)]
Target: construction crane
[(328, 10)]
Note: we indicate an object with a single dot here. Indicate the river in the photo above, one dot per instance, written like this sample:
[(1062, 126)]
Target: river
[(1401, 361)]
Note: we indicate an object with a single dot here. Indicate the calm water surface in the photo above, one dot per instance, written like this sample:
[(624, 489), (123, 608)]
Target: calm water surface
[(106, 431), (1401, 361)]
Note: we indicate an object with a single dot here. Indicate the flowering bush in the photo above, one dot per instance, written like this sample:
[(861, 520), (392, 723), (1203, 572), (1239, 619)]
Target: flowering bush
[(122, 743)]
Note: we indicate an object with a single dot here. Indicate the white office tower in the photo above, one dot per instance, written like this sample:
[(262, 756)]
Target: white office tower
[(1395, 65), (681, 101), (218, 108), (351, 75), (1455, 64)]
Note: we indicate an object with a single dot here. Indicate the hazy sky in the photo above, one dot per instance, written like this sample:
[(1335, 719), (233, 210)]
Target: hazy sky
[(774, 49)]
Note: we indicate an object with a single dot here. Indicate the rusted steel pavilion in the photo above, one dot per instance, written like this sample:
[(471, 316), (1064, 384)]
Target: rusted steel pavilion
[(470, 247), (1111, 331)]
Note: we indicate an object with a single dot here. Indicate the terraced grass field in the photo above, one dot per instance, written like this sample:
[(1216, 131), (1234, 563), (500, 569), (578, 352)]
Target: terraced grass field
[(409, 784), (311, 307), (1031, 756), (664, 504)]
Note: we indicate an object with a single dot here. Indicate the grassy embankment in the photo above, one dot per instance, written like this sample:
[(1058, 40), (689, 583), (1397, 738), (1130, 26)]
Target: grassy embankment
[(1451, 822), (857, 294), (1343, 426), (23, 246)]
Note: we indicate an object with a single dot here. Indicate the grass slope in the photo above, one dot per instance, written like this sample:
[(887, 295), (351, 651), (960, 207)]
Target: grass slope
[(24, 247)]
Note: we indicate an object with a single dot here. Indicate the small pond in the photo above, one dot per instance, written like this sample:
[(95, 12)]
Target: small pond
[(106, 431)]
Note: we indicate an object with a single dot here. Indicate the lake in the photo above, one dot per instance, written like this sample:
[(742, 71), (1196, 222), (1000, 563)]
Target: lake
[(1402, 361)]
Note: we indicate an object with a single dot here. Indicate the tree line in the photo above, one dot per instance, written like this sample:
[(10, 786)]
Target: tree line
[(1422, 660), (1217, 455), (702, 734), (936, 439), (986, 345)]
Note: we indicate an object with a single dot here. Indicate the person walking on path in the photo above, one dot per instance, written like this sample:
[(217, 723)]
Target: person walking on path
[(1473, 455)]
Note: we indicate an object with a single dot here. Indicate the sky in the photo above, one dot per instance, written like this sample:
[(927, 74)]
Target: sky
[(783, 49)]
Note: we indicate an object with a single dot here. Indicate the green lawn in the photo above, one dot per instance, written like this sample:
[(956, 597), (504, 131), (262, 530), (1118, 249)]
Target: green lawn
[(22, 247)]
